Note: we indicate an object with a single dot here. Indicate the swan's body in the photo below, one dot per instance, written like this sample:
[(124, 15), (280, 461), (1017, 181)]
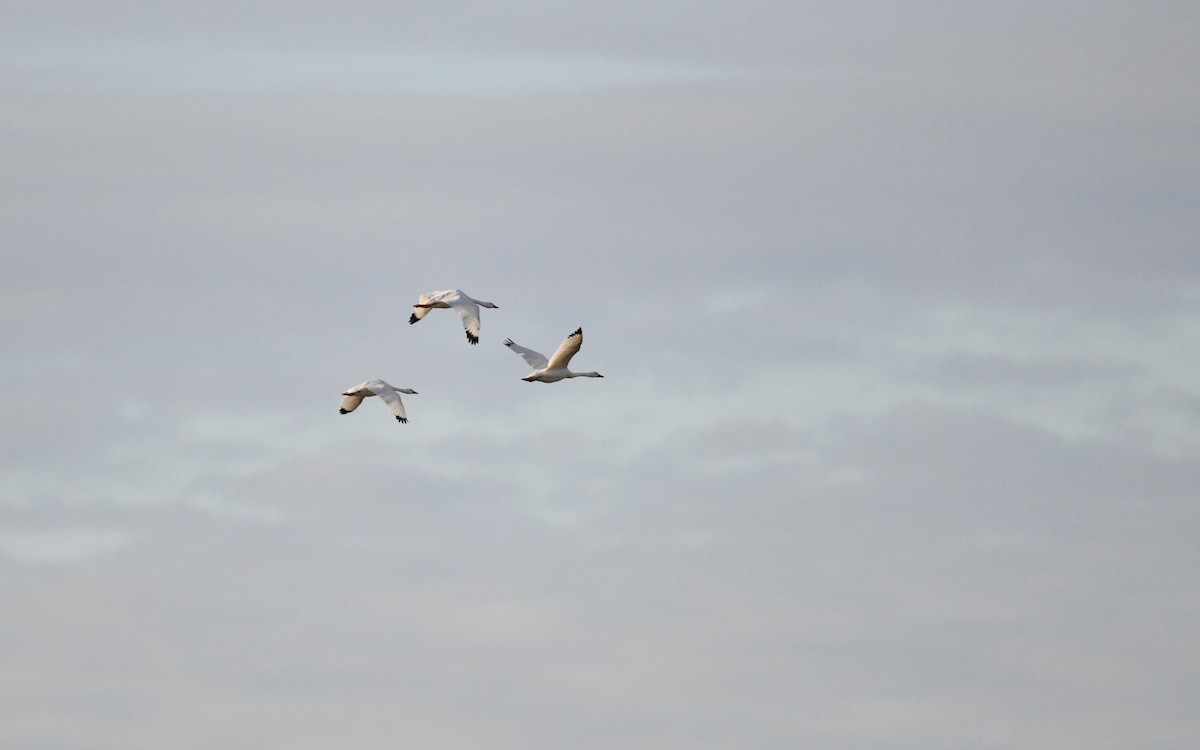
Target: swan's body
[(466, 307), (554, 369), (352, 397)]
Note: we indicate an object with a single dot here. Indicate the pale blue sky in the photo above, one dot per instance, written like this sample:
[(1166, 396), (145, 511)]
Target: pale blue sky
[(897, 308)]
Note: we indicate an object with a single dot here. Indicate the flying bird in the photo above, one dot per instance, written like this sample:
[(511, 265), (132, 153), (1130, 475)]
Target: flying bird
[(467, 308), (554, 369), (352, 397)]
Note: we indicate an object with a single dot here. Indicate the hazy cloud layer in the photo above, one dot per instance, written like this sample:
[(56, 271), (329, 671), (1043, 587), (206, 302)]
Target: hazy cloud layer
[(897, 309)]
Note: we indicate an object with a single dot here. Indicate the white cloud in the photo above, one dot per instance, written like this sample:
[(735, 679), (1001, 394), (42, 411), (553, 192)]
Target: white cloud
[(60, 546)]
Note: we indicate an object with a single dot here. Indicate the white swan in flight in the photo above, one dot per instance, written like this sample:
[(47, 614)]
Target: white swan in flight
[(352, 397), (467, 308), (554, 369)]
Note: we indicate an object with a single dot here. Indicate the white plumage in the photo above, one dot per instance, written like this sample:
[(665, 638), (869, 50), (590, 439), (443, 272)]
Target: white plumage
[(466, 307), (554, 369), (352, 397)]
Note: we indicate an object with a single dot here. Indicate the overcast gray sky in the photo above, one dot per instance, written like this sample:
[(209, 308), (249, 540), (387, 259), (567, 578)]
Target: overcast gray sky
[(898, 306)]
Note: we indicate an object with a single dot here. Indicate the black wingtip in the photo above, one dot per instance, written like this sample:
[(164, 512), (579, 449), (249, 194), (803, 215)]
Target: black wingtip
[(508, 342), (402, 420), (471, 338), (578, 331), (412, 318), (343, 411)]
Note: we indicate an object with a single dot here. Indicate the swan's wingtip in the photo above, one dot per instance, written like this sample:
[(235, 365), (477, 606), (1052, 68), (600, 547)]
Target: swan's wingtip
[(472, 338), (402, 420), (343, 411)]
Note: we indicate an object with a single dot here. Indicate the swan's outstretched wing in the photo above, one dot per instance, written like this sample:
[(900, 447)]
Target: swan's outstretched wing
[(468, 312), (420, 312), (349, 403), (535, 360), (566, 350), (391, 398)]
